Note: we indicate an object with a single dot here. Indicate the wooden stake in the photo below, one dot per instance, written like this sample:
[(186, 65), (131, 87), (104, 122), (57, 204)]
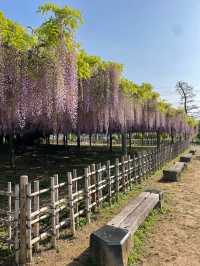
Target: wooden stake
[(9, 213), (109, 182), (17, 224), (71, 203), (22, 223), (53, 213), (29, 227), (117, 178), (87, 195), (36, 207), (56, 199)]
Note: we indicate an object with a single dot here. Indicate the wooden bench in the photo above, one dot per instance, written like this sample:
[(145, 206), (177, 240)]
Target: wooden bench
[(192, 151), (174, 172), (110, 245), (186, 158)]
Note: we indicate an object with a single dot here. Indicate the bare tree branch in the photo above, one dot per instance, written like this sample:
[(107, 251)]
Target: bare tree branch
[(187, 95)]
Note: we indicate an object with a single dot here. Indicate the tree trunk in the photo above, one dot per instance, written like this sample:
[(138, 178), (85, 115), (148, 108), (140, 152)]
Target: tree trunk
[(64, 142), (110, 142), (90, 140), (48, 139), (124, 143), (66, 139), (57, 138), (1, 139), (12, 151), (78, 141), (172, 138), (130, 140)]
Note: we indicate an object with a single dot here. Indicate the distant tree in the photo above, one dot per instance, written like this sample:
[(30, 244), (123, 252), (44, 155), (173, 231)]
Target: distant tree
[(187, 95)]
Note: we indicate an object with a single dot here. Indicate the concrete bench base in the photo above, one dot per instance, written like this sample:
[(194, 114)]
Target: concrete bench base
[(192, 151), (110, 245), (186, 158), (174, 172)]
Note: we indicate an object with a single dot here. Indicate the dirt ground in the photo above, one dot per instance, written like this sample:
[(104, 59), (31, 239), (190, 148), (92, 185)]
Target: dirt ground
[(174, 240)]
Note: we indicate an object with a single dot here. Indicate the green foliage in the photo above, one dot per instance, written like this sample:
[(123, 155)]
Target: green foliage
[(129, 88), (110, 64), (87, 64), (192, 122), (14, 35), (82, 221), (60, 26), (146, 92), (163, 106)]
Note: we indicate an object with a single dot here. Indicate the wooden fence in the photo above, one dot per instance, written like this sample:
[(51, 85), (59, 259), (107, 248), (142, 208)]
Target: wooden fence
[(35, 214)]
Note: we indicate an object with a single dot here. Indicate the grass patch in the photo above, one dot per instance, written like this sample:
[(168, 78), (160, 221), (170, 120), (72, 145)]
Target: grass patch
[(142, 233)]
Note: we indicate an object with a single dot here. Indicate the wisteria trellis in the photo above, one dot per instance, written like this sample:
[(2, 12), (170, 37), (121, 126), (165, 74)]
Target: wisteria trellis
[(42, 90)]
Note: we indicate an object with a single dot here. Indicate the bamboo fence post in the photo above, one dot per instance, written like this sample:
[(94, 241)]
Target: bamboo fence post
[(117, 178), (53, 213), (36, 208), (146, 159), (23, 219), (56, 199), (145, 165), (74, 174), (29, 238), (109, 183), (123, 174), (100, 186), (162, 156), (152, 161), (9, 214), (129, 173), (155, 160), (93, 182), (87, 195), (159, 157), (146, 156), (126, 172), (71, 203), (134, 169), (98, 196), (149, 163), (140, 167), (17, 224)]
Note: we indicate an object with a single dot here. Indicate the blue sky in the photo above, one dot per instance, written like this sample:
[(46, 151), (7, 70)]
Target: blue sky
[(157, 41)]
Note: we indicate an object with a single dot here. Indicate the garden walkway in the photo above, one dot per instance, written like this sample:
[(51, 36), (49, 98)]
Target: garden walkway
[(174, 239)]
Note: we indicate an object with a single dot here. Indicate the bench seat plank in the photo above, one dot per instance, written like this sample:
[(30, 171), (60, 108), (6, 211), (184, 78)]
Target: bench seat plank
[(137, 217), (133, 204)]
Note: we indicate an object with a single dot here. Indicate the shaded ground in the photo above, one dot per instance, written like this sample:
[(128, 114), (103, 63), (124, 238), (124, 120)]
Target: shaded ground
[(45, 160), (174, 240)]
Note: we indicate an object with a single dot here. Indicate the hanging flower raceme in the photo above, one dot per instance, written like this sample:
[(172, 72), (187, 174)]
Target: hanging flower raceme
[(46, 99)]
